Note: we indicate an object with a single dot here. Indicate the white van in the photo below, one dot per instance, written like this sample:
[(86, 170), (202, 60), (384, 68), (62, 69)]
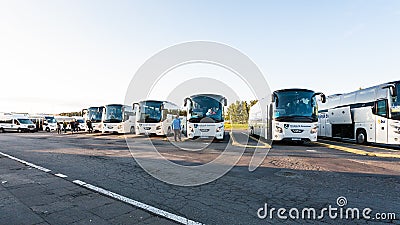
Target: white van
[(16, 122), (44, 122)]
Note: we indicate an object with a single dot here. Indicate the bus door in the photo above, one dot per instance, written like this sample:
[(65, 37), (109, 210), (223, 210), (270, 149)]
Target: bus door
[(381, 121)]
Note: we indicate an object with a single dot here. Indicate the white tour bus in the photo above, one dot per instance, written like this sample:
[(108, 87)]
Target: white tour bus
[(155, 117), (16, 122), (94, 114), (292, 115), (205, 116), (44, 122), (366, 115), (118, 118)]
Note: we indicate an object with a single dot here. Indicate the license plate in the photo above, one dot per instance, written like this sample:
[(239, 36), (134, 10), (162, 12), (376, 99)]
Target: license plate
[(204, 130), (296, 139)]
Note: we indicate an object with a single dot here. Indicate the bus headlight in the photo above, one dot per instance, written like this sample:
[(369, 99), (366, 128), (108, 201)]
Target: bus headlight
[(119, 126), (278, 129), (314, 130), (158, 128), (191, 129)]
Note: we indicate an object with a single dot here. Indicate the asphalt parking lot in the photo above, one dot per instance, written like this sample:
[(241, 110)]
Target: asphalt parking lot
[(291, 176)]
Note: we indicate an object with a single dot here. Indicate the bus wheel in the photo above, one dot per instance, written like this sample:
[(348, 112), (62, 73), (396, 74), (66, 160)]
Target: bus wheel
[(169, 132), (132, 130), (19, 130), (361, 137), (1, 130), (47, 129)]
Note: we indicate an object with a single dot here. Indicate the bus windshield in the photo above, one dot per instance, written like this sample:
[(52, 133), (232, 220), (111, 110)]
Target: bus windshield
[(395, 107), (94, 114), (295, 106), (113, 114), (206, 108), (150, 112)]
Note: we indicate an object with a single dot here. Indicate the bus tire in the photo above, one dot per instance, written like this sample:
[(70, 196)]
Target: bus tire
[(132, 130), (19, 130), (169, 132), (1, 130), (361, 137), (47, 129)]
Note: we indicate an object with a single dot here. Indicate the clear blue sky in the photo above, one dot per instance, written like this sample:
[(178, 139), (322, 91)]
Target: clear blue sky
[(66, 55)]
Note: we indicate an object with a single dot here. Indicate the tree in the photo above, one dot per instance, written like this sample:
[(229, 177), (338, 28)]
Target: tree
[(238, 112)]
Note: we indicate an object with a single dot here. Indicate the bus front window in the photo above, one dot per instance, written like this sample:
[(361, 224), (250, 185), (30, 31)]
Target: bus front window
[(296, 106), (206, 107), (113, 114), (150, 112), (94, 114)]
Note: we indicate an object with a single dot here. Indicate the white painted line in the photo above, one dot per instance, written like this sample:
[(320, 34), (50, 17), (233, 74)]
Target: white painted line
[(138, 204), (26, 163), (309, 150), (60, 175)]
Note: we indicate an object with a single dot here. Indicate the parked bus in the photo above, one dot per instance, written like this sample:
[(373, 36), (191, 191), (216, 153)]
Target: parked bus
[(118, 118), (366, 115), (292, 115), (44, 122), (94, 114), (205, 116), (155, 117), (16, 123)]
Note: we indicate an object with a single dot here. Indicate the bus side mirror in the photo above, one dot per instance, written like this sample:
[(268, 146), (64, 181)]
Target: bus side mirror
[(323, 98), (274, 98), (186, 102), (392, 89), (225, 102)]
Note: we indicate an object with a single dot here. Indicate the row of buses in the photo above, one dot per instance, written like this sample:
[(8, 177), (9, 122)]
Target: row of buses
[(201, 116), (366, 115)]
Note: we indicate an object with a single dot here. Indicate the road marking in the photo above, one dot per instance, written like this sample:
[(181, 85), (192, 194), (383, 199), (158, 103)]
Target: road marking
[(357, 151), (138, 204), (310, 150), (61, 175), (235, 143), (26, 163), (376, 147)]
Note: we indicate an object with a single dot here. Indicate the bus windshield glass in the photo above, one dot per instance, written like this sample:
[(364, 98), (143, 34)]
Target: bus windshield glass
[(25, 121), (150, 112), (395, 108), (113, 114), (94, 114), (295, 106), (206, 109)]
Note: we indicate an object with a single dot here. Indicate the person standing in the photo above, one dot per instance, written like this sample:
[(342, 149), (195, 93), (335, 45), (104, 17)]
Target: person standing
[(65, 126), (58, 127), (176, 126), (89, 126), (72, 124)]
